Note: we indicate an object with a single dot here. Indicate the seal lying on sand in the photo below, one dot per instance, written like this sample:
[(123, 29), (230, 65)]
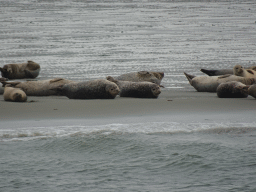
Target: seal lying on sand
[(20, 71), (240, 71), (221, 71), (95, 89), (14, 94), (154, 77), (1, 87), (252, 90), (39, 88), (137, 89), (232, 89), (210, 83)]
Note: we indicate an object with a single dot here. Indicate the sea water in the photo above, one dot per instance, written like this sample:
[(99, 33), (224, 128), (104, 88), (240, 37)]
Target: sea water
[(83, 40)]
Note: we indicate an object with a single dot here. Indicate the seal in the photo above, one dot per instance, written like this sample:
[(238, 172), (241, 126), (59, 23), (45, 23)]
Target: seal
[(232, 89), (14, 94), (240, 71), (39, 88), (20, 71), (216, 72), (252, 90), (2, 88), (210, 83), (154, 77), (137, 89), (94, 89)]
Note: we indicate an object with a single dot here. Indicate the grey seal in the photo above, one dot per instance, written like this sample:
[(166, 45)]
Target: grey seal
[(39, 88), (14, 94), (210, 83), (20, 71), (137, 89), (154, 77), (232, 89), (94, 89), (219, 72)]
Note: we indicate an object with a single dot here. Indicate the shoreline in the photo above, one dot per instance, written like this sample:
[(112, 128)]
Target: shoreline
[(171, 106)]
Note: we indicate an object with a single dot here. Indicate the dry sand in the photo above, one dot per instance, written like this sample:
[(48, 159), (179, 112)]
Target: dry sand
[(171, 106)]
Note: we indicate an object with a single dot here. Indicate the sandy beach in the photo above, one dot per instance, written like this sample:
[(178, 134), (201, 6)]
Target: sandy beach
[(171, 106)]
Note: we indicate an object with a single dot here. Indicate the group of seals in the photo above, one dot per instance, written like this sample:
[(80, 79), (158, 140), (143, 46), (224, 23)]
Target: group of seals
[(142, 84), (20, 71), (236, 84)]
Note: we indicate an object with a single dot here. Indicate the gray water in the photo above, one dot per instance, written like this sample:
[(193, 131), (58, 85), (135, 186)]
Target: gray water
[(82, 40)]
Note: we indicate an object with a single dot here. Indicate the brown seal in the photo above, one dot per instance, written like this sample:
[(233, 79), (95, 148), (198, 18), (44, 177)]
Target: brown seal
[(240, 71), (137, 89), (252, 90), (20, 71), (210, 83), (154, 77), (232, 89), (39, 88), (14, 94), (94, 89)]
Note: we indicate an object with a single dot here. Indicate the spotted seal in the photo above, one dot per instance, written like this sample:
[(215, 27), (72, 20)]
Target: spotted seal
[(137, 89), (94, 89), (210, 83), (39, 88), (232, 89), (20, 71), (219, 72), (14, 94), (252, 90), (240, 71), (154, 77)]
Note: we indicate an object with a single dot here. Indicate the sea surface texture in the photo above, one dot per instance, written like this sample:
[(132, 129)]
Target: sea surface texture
[(83, 40)]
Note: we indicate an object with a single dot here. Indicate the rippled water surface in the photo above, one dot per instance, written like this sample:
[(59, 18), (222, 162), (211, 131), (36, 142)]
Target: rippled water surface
[(82, 40)]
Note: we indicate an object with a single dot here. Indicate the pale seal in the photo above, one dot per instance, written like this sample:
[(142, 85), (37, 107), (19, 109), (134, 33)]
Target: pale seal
[(94, 89), (240, 71), (252, 90), (219, 72), (232, 89), (154, 77), (137, 89), (39, 88), (210, 83), (14, 94), (20, 71)]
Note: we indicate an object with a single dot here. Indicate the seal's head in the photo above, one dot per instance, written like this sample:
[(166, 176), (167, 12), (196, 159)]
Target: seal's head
[(238, 70), (19, 97), (155, 90), (112, 89)]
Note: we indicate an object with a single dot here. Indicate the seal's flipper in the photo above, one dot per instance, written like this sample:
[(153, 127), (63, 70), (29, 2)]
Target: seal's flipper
[(56, 80), (250, 71), (224, 76), (109, 78), (209, 72), (12, 84), (189, 77)]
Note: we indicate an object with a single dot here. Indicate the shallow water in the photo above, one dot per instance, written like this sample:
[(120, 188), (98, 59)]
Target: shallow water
[(82, 40)]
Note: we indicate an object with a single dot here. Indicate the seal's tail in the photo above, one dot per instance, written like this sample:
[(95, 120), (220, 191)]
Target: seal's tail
[(109, 78), (189, 77), (209, 72)]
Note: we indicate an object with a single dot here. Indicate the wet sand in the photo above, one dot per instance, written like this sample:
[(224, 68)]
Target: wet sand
[(171, 106)]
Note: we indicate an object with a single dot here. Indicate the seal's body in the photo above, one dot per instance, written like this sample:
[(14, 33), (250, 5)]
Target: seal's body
[(14, 94), (154, 77), (232, 89), (39, 88), (137, 89), (20, 71), (252, 90), (210, 83), (219, 72), (94, 89)]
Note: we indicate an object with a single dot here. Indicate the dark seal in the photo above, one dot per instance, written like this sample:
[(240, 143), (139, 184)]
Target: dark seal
[(20, 71), (94, 89), (137, 89), (232, 89)]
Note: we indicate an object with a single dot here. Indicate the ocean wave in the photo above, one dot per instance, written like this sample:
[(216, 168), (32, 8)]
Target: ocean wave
[(28, 133)]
